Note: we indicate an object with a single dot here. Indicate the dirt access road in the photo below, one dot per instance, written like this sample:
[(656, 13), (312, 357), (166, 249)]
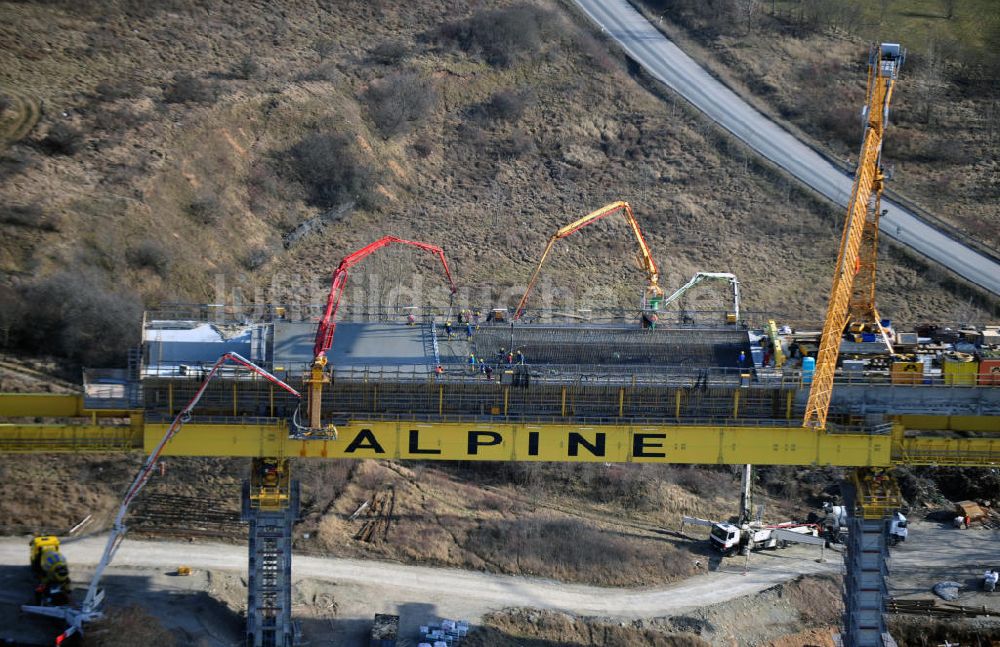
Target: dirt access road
[(361, 588)]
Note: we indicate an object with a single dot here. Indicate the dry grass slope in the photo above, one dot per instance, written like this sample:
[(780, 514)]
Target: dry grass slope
[(179, 175)]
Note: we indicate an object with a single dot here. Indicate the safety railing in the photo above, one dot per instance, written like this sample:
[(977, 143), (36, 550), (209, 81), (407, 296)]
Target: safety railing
[(480, 315), (575, 421)]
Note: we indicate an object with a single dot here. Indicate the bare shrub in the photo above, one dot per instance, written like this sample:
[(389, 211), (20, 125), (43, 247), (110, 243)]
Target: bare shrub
[(703, 482), (118, 120), (331, 171), (842, 123), (521, 143), (322, 481), (205, 209), (623, 484), (150, 254), (28, 215), (389, 52), (423, 146), (264, 186), (246, 68), (115, 89), (78, 316), (12, 162), (256, 258), (324, 47), (324, 72), (503, 36), (507, 105), (490, 501), (62, 140), (186, 88), (400, 102), (473, 137)]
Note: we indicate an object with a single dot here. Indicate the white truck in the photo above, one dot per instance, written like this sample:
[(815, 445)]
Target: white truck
[(729, 538)]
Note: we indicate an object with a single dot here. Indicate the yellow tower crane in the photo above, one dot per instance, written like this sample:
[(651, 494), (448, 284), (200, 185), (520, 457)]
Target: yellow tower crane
[(852, 299)]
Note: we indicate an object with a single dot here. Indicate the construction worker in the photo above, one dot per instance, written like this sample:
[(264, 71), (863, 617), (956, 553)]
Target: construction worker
[(743, 359), (489, 373), (472, 363), (519, 356), (447, 328), (468, 331), (439, 371), (967, 520), (411, 319)]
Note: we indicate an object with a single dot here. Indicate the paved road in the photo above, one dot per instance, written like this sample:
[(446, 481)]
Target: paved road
[(667, 63), (467, 593)]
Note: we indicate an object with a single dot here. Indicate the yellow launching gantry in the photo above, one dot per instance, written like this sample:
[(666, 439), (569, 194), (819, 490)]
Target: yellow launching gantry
[(653, 292), (852, 298), (420, 437)]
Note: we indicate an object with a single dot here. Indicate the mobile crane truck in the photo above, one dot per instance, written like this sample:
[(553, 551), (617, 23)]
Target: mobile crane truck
[(50, 568)]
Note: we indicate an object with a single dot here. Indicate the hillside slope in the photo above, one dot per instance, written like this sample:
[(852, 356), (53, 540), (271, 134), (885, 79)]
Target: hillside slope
[(198, 151)]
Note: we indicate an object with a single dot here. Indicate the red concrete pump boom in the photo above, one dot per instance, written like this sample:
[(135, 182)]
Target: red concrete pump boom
[(327, 325)]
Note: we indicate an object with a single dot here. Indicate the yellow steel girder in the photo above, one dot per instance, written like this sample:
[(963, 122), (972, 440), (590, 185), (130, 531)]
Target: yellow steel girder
[(37, 439), (967, 452), (48, 405), (54, 405), (687, 444)]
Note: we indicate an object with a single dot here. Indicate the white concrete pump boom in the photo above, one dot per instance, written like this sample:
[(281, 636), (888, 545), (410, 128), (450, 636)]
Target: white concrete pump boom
[(701, 276), (89, 610)]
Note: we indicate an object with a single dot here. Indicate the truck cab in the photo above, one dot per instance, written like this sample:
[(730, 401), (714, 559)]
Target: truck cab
[(725, 537), (897, 528)]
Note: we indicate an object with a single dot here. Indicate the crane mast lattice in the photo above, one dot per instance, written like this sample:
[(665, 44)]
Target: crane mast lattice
[(853, 294)]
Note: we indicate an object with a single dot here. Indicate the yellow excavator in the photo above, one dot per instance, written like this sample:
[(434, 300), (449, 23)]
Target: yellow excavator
[(50, 568), (653, 294)]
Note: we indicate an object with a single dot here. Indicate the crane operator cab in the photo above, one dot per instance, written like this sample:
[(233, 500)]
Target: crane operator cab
[(891, 57)]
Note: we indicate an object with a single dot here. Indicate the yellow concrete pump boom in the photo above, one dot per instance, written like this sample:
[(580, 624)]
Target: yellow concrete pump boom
[(649, 265), (859, 242)]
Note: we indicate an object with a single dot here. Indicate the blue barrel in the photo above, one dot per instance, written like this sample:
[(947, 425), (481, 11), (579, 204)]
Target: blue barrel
[(808, 367)]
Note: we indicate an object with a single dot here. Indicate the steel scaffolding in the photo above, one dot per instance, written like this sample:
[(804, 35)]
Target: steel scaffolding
[(269, 585)]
